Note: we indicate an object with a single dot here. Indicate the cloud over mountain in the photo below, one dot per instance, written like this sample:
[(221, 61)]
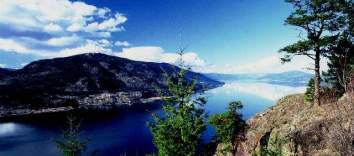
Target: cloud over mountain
[(37, 29), (52, 28), (157, 54), (48, 29)]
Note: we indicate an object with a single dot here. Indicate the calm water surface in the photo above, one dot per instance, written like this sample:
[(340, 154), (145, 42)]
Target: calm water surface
[(125, 132)]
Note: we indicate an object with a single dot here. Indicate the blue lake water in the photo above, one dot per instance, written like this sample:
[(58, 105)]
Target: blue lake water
[(125, 132)]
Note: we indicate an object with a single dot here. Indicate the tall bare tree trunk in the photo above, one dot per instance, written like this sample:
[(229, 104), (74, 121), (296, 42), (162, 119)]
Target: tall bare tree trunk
[(317, 99)]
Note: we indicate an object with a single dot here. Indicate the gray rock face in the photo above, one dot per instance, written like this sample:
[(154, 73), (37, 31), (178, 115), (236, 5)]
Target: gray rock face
[(298, 128), (86, 81)]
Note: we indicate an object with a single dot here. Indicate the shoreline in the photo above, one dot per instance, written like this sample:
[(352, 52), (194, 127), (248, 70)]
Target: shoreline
[(148, 103), (22, 114)]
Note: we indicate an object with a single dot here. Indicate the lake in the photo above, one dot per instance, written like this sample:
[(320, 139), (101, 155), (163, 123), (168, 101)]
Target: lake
[(125, 132)]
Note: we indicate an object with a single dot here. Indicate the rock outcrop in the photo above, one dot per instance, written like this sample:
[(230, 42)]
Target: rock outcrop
[(86, 81), (295, 128)]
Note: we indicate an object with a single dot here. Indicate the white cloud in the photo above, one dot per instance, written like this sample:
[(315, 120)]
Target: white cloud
[(24, 64), (55, 15), (193, 59), (104, 43), (75, 27), (87, 48), (103, 11), (51, 27), (90, 46), (104, 34), (3, 65), (148, 54), (122, 44), (63, 41), (271, 64), (10, 45), (44, 26), (109, 25), (36, 14), (157, 54)]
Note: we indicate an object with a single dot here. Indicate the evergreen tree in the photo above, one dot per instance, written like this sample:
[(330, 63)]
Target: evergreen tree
[(229, 127), (318, 19), (341, 64), (178, 131), (341, 60), (309, 94), (70, 144)]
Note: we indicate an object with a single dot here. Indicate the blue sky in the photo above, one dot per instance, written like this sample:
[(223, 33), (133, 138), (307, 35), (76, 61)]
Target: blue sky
[(228, 36)]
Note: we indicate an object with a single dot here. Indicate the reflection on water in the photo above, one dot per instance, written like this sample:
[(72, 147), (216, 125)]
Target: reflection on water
[(7, 128), (268, 91), (126, 132), (256, 97)]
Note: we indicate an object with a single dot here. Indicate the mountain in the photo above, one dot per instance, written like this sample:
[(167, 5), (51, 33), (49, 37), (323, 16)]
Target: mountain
[(4, 72), (293, 78), (233, 77), (290, 78), (86, 81)]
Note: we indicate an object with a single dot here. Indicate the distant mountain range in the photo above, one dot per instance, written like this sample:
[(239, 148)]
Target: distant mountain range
[(99, 81), (85, 81), (290, 78)]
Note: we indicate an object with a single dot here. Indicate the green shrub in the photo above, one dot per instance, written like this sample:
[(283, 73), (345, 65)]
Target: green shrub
[(229, 127), (273, 147), (310, 91)]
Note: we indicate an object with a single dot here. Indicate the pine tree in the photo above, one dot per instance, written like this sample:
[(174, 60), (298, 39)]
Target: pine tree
[(318, 19), (341, 60), (309, 94), (229, 127), (70, 144), (341, 64), (179, 129)]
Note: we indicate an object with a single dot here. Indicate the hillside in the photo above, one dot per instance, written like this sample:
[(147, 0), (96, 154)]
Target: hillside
[(85, 81), (4, 72), (298, 128)]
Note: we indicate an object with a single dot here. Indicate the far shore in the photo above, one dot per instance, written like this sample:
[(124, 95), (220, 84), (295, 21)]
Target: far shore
[(18, 114)]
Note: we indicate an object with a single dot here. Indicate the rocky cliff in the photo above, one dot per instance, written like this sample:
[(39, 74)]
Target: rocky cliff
[(295, 128), (85, 81)]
